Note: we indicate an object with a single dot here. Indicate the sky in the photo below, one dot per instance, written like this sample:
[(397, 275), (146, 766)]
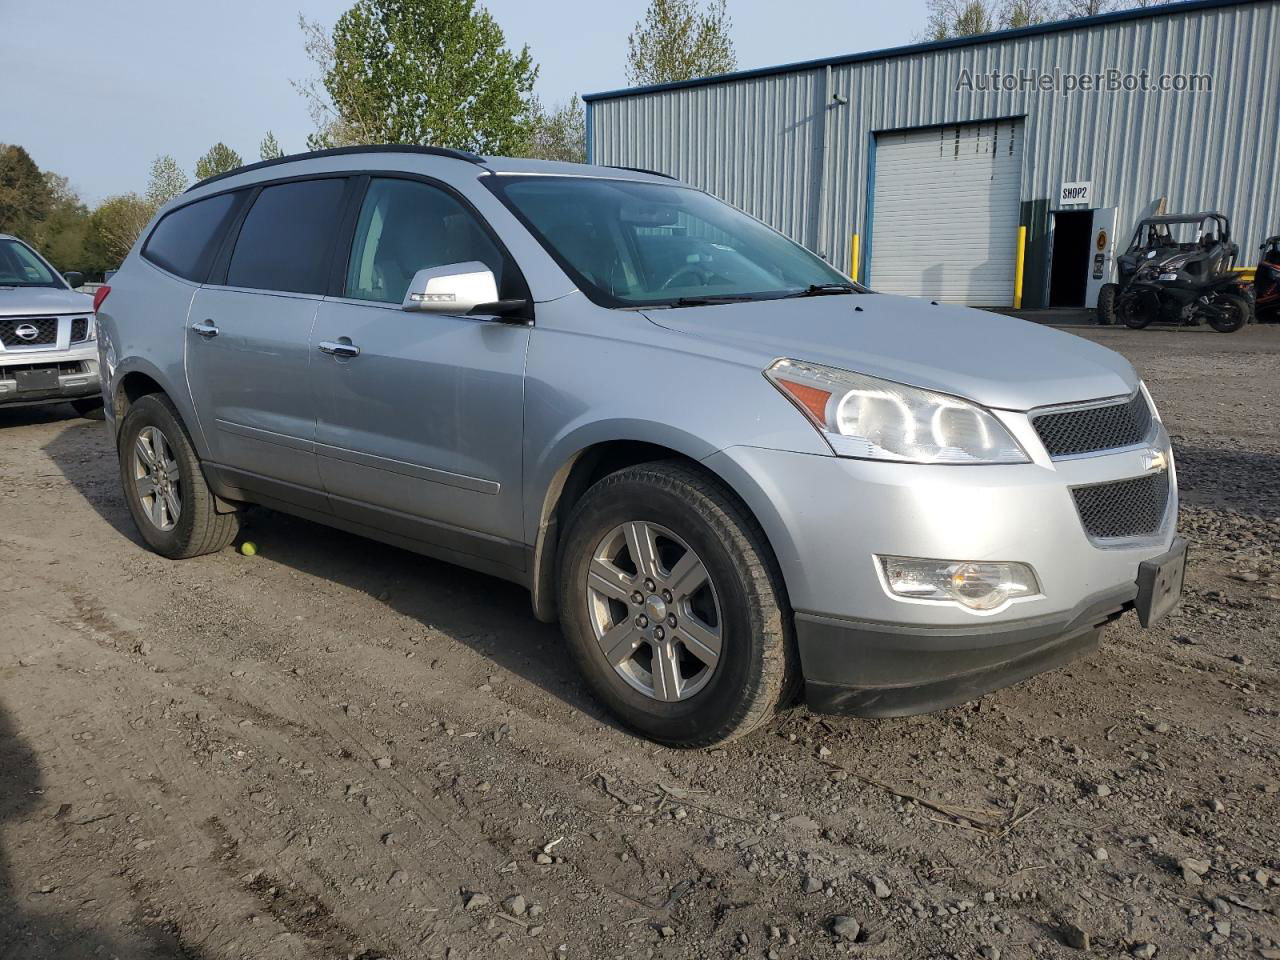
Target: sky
[(96, 89)]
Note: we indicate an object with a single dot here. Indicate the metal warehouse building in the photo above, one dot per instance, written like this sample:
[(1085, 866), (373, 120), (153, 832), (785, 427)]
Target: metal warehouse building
[(913, 168)]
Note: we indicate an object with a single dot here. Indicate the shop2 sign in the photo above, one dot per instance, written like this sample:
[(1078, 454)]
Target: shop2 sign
[(1079, 193)]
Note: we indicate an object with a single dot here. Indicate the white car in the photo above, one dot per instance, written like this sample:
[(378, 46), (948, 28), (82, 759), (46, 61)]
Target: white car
[(48, 348)]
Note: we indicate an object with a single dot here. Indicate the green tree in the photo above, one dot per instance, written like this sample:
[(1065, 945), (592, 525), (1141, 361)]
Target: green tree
[(269, 148), (61, 236), (219, 159), (559, 134), (434, 72), (114, 227), (166, 182), (960, 18), (25, 198), (1025, 13), (677, 40)]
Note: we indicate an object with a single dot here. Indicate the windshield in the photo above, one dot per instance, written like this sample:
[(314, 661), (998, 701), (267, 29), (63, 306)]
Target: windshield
[(630, 244), (20, 267)]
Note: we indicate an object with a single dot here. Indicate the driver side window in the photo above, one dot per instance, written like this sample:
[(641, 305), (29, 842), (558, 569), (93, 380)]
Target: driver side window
[(406, 226)]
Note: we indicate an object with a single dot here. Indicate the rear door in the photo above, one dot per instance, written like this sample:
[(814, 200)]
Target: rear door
[(420, 434), (248, 334)]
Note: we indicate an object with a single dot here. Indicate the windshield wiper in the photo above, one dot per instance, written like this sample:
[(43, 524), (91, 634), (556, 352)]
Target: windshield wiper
[(711, 300), (824, 290)]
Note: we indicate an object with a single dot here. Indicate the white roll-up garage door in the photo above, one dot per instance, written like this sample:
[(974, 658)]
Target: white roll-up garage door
[(946, 211)]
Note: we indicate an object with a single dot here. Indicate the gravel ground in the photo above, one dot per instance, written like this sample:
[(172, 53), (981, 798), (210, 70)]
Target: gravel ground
[(336, 749)]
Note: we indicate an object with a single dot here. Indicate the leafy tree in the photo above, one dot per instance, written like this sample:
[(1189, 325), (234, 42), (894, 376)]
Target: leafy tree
[(167, 181), (960, 18), (269, 149), (219, 159), (1070, 9), (432, 72), (61, 236), (114, 227), (1025, 13), (677, 40), (560, 134), (25, 198)]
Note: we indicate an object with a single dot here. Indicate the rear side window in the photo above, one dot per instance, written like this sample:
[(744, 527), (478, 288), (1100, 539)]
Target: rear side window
[(287, 237), (185, 241)]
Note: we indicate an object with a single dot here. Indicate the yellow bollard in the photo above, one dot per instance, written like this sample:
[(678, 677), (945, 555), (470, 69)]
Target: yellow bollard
[(1017, 271), (853, 259)]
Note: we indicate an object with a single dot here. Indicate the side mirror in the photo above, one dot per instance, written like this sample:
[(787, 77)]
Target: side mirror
[(74, 278), (455, 288)]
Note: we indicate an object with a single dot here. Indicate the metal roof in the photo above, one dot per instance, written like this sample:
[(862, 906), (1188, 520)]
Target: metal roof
[(1055, 26)]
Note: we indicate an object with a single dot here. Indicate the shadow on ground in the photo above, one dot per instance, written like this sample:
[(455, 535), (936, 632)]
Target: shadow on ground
[(35, 921)]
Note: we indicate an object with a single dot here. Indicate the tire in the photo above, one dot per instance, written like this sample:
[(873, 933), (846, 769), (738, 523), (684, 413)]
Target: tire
[(1107, 304), (757, 667), (91, 408), (1133, 313), (1239, 313), (153, 424)]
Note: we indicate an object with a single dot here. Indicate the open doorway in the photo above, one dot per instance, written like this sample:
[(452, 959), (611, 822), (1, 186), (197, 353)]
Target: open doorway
[(1069, 266)]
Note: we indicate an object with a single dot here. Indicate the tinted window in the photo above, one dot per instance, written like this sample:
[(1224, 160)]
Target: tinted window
[(285, 241), (185, 241), (406, 226)]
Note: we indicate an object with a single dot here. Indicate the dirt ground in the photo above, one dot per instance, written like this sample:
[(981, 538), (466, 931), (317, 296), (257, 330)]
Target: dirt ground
[(336, 749)]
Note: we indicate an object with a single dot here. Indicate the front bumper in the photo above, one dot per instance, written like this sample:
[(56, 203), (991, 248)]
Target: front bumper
[(866, 651), (77, 375)]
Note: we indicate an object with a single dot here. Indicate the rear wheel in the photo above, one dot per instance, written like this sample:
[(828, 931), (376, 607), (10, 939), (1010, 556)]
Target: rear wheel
[(673, 606), (168, 498), (1107, 304), (1229, 313)]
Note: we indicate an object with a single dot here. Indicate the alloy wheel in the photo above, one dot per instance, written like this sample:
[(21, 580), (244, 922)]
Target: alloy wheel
[(156, 478), (654, 610)]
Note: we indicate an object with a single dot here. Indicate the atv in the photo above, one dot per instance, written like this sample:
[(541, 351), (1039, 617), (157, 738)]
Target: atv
[(1178, 270), (1266, 282)]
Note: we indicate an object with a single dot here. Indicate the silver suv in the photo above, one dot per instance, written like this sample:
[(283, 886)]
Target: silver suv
[(47, 349), (726, 469)]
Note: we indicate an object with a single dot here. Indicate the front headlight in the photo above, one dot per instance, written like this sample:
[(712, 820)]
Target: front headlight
[(865, 417)]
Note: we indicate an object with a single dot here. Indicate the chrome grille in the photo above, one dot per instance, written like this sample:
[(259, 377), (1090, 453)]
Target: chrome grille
[(79, 329), (46, 331), (1123, 508), (1089, 429)]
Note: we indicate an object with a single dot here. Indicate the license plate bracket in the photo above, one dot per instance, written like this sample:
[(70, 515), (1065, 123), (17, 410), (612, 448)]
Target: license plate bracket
[(38, 379), (1160, 583)]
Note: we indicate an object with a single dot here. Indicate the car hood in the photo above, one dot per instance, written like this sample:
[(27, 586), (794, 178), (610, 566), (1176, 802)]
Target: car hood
[(42, 301), (994, 360)]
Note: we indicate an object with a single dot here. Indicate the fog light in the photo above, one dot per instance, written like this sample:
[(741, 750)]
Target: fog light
[(978, 585)]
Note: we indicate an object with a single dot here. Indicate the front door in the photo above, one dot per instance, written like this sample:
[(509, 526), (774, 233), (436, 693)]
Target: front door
[(248, 335), (420, 434)]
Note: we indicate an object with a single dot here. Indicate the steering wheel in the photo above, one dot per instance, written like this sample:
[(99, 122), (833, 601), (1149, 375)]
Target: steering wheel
[(700, 277)]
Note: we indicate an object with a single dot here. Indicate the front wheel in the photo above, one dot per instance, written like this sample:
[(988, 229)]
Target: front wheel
[(1228, 312), (673, 606), (1134, 312), (170, 502), (1107, 304)]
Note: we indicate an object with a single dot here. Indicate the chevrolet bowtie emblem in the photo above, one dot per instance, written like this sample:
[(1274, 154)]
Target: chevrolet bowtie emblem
[(1154, 460)]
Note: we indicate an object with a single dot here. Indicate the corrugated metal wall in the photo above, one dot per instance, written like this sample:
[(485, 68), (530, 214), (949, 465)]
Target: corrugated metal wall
[(785, 148)]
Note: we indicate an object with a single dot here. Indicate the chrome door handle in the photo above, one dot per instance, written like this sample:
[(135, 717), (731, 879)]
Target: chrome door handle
[(206, 328), (339, 348)]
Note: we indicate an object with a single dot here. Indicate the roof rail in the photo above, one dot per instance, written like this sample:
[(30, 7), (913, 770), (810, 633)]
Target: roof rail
[(652, 173), (344, 151)]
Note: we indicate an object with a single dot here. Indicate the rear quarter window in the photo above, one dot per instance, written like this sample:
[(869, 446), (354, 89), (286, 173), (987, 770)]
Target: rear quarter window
[(186, 240), (287, 237)]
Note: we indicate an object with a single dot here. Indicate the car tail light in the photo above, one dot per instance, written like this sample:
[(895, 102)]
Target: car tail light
[(99, 295)]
